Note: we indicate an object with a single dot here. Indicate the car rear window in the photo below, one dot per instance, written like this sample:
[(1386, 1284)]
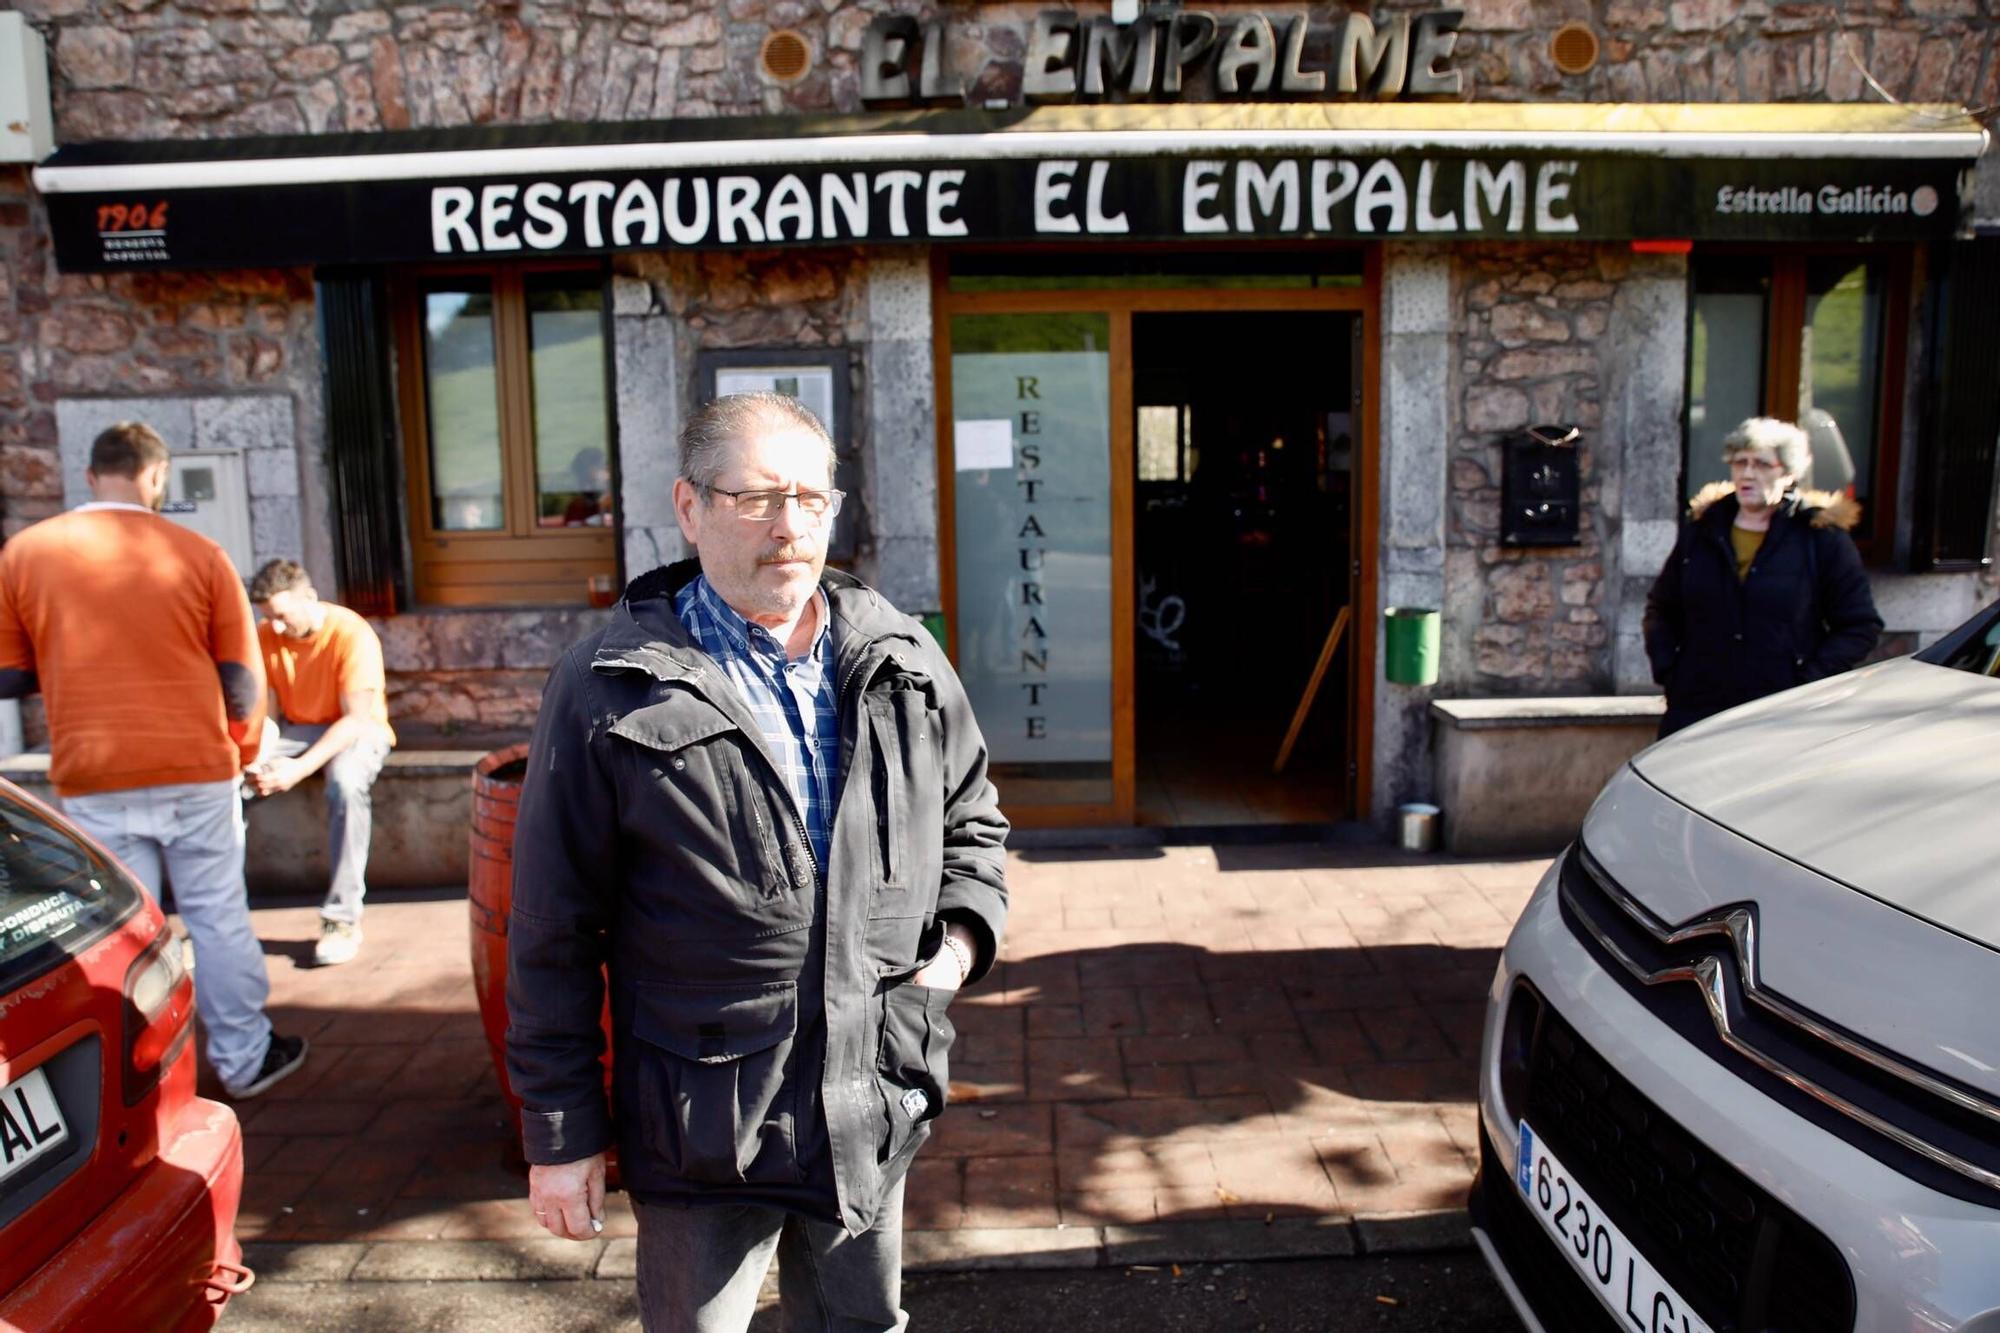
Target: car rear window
[(57, 895), (1973, 646)]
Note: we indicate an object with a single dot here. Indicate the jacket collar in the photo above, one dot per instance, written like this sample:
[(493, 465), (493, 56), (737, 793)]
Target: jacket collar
[(647, 635), (1822, 509)]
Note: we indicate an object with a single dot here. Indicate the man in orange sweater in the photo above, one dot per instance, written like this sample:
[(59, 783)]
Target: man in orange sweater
[(139, 637), (324, 664)]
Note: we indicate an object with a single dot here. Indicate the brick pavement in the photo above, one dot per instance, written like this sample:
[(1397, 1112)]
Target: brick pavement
[(1181, 1048)]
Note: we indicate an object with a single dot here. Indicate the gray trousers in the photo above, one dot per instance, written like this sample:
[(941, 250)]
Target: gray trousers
[(700, 1269), (194, 832), (350, 784)]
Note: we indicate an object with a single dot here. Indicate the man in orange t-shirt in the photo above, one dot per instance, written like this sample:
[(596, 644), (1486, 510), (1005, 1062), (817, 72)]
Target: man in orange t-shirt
[(324, 664), (138, 635)]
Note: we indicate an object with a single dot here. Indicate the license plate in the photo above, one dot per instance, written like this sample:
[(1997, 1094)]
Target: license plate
[(31, 1124), (1610, 1264)]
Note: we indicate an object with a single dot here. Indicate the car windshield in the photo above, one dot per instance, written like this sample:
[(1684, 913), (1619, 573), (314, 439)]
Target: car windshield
[(57, 894), (1973, 646)]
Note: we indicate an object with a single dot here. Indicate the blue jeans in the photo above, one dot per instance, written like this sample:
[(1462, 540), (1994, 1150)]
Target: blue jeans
[(194, 831), (700, 1269), (350, 814)]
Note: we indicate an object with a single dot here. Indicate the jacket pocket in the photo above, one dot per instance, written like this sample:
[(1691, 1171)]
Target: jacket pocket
[(700, 793), (914, 1067), (909, 802), (716, 1097)]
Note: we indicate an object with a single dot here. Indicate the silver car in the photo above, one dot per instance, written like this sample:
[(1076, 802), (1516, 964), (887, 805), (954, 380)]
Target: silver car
[(1741, 1068)]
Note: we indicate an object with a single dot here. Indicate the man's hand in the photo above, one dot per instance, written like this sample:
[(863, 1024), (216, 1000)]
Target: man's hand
[(946, 971), (273, 776), (567, 1198)]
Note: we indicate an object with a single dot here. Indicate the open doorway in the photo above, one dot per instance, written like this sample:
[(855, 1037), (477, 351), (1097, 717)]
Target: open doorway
[(1244, 551)]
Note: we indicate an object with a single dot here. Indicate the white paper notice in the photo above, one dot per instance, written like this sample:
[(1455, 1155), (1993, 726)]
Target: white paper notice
[(981, 445)]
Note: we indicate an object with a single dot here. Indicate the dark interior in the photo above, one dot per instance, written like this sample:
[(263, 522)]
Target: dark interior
[(1244, 550)]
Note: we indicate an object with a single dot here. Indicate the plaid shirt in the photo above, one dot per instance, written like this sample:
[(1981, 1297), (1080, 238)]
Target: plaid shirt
[(795, 702)]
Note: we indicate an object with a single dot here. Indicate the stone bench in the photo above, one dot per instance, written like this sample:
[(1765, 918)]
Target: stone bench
[(1517, 776), (423, 812)]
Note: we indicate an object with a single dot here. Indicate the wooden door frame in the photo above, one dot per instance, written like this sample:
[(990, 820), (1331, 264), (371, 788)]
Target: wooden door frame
[(1120, 305)]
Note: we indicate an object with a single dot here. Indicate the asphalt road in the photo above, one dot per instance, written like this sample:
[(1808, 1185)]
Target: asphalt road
[(1445, 1293)]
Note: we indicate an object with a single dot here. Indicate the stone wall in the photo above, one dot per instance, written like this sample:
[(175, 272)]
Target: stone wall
[(673, 308), (466, 676), (217, 68), (1530, 348), (143, 337)]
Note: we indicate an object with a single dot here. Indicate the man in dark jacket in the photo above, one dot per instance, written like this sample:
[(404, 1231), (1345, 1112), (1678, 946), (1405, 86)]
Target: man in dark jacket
[(1764, 590), (758, 802)]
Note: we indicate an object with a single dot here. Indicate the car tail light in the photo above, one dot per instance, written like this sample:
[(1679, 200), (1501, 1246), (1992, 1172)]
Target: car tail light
[(159, 1004)]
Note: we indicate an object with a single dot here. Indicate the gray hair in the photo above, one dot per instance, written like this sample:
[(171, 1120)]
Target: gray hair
[(721, 422), (1782, 438)]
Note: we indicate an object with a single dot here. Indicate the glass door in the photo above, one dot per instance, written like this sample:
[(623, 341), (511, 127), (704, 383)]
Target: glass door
[(1037, 569)]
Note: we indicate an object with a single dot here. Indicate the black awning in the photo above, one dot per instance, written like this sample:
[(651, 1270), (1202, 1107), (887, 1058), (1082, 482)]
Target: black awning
[(1071, 173)]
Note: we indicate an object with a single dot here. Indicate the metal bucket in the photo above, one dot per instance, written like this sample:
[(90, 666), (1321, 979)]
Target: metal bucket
[(1417, 827)]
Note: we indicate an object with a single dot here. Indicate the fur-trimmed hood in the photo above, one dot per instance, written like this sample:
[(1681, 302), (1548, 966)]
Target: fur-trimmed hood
[(1828, 509)]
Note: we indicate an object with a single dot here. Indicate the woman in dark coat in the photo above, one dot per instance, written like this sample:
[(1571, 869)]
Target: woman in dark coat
[(1764, 589)]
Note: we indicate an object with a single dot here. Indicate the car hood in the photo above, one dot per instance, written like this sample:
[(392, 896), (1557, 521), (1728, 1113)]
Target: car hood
[(1886, 780), (1906, 985)]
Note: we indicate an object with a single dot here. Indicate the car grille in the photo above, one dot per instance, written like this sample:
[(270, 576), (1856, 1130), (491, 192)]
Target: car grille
[(1743, 1259), (1699, 979)]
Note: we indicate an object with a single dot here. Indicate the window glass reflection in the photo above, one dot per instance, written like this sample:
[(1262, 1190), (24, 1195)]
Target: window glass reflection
[(462, 397), (1725, 362), (1839, 366), (572, 451)]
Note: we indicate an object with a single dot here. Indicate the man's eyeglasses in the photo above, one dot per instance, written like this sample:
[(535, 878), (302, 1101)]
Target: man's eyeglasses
[(1749, 462), (764, 506)]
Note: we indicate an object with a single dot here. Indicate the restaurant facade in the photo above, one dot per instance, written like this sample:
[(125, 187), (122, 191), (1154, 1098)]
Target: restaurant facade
[(1165, 350)]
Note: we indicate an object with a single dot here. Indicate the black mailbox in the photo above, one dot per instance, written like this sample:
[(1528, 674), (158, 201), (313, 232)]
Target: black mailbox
[(1539, 493)]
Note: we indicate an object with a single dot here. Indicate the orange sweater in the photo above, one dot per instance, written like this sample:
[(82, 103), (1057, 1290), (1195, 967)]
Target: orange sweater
[(312, 677), (128, 620)]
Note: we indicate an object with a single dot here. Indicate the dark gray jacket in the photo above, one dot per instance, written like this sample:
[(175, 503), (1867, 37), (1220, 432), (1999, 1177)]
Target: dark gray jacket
[(768, 1045)]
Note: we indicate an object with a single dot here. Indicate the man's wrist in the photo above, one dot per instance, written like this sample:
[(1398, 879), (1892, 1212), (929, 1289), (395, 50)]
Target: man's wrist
[(962, 952)]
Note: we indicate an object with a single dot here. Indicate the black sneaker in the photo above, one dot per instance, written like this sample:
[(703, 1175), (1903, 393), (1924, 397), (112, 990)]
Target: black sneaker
[(282, 1057)]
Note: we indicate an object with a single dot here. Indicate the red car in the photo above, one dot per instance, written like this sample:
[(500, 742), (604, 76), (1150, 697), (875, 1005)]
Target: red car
[(118, 1186)]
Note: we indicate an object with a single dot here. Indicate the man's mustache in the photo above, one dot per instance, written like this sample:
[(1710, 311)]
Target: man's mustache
[(786, 553)]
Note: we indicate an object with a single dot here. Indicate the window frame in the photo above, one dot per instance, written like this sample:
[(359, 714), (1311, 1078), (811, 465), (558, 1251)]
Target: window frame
[(1784, 329), (520, 563)]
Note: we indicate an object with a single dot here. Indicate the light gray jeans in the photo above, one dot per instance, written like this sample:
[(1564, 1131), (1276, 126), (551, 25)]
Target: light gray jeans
[(700, 1269), (194, 831), (350, 817)]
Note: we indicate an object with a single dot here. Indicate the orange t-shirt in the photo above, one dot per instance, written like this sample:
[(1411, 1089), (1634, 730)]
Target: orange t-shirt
[(311, 675), (125, 618)]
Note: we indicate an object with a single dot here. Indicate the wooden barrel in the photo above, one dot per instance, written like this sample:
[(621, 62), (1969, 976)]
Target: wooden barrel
[(496, 796), (496, 793)]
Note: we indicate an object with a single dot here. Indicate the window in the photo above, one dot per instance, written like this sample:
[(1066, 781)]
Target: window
[(1813, 338), (507, 436), (1973, 646), (57, 895)]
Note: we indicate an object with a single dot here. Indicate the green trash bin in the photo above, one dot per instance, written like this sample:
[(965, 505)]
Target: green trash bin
[(1412, 645)]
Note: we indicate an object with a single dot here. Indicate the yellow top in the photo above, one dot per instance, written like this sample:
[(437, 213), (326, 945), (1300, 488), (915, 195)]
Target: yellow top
[(1747, 541)]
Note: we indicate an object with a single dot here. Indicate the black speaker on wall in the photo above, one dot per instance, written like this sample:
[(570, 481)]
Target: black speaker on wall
[(1539, 489)]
